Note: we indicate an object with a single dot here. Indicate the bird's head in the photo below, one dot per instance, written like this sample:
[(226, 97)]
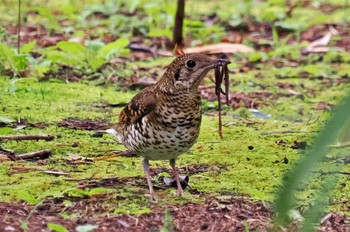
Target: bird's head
[(187, 71)]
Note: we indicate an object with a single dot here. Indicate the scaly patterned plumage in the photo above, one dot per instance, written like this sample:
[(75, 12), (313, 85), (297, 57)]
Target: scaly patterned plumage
[(163, 121)]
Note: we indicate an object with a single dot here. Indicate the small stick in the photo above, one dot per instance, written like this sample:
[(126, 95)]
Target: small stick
[(27, 169), (19, 28), (37, 154), (27, 137), (287, 132), (126, 153), (24, 169), (7, 155), (333, 172), (57, 173)]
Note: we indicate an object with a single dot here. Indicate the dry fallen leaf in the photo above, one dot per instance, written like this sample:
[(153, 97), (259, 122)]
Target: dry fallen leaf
[(4, 158), (320, 45), (213, 48), (220, 48)]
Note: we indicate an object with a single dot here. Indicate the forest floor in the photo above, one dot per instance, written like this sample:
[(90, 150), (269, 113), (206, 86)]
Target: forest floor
[(284, 84)]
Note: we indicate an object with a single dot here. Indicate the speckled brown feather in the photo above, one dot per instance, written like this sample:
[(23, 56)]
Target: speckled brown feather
[(141, 105), (163, 121)]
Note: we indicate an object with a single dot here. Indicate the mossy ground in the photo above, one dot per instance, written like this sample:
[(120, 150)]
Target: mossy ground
[(288, 87), (249, 161)]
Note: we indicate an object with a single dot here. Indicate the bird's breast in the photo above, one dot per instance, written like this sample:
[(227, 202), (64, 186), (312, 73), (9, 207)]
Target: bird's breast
[(171, 129)]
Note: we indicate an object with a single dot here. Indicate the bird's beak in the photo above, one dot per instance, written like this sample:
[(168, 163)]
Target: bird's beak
[(217, 63), (221, 61)]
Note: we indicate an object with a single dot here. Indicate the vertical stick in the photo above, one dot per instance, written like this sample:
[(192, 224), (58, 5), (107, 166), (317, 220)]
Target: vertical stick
[(19, 27), (180, 14)]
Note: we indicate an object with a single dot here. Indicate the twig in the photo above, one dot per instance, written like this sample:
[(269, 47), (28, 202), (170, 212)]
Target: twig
[(179, 17), (287, 132), (27, 137), (19, 28), (87, 185), (77, 162), (57, 173), (25, 169), (81, 179), (333, 172), (28, 169), (7, 155), (126, 153), (36, 154)]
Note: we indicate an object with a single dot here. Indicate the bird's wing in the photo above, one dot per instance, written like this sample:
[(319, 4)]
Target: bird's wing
[(141, 105)]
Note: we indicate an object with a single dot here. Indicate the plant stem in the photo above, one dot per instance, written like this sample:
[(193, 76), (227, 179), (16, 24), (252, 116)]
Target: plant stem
[(19, 27)]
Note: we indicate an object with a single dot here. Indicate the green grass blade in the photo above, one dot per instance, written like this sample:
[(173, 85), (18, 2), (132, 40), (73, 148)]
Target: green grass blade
[(303, 169), (315, 212)]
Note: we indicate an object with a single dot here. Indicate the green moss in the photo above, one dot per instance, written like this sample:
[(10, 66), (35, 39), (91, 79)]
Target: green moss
[(250, 160)]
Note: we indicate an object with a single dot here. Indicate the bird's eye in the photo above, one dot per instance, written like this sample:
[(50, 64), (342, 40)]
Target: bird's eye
[(190, 64)]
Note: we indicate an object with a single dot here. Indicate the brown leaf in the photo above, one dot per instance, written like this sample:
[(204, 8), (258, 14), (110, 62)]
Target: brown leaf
[(220, 48)]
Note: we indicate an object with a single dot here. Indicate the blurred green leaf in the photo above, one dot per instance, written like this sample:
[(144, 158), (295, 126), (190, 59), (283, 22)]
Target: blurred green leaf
[(75, 51), (301, 172), (98, 191), (27, 48), (20, 61), (6, 51), (7, 58), (67, 203), (26, 196), (42, 68), (94, 45), (5, 130), (57, 227), (344, 72), (272, 13), (256, 56), (49, 19), (118, 47), (157, 32)]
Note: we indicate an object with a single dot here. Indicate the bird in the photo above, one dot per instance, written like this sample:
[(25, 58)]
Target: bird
[(163, 120)]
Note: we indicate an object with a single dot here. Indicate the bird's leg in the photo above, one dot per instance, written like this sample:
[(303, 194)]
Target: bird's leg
[(180, 191), (145, 165)]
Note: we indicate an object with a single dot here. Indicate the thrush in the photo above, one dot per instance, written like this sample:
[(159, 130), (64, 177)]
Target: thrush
[(163, 120)]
